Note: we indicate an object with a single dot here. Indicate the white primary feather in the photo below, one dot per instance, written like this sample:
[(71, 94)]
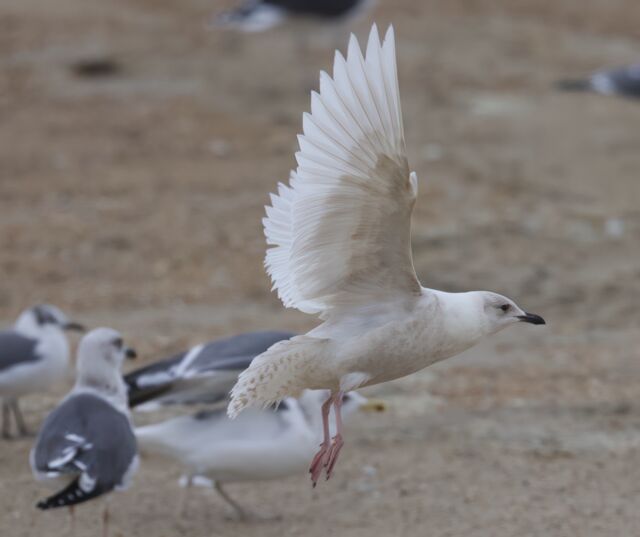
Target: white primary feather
[(341, 230)]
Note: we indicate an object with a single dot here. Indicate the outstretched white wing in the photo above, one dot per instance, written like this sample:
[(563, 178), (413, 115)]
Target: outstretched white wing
[(341, 230)]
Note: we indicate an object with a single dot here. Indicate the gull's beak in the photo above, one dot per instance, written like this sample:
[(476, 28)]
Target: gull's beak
[(130, 353), (373, 405), (76, 327), (531, 318)]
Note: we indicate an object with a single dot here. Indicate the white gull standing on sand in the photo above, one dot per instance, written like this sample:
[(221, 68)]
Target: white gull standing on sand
[(86, 445), (261, 444), (341, 237), (34, 355)]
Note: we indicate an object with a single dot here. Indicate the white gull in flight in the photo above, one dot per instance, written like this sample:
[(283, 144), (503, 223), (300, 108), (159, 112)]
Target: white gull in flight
[(341, 248)]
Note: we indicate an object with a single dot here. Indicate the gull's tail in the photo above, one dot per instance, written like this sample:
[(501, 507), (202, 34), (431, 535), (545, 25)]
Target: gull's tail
[(71, 495), (281, 371)]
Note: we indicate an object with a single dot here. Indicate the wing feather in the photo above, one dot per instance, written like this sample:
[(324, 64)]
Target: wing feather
[(340, 231)]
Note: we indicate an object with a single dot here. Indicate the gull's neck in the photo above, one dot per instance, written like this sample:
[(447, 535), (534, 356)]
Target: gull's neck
[(27, 325), (462, 316), (103, 380)]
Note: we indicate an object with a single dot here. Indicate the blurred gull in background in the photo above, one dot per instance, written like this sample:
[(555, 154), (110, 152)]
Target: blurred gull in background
[(623, 81), (261, 15), (341, 249), (34, 355), (86, 445), (260, 444), (204, 374)]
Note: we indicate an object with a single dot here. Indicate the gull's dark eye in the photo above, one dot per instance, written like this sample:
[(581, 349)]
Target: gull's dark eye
[(505, 307), (345, 397), (117, 343)]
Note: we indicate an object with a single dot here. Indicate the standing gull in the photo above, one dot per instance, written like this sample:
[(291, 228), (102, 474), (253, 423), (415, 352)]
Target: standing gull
[(261, 444), (34, 355), (341, 249), (87, 445), (204, 374)]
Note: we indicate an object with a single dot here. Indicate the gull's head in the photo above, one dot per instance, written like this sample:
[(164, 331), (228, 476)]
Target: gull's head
[(311, 402), (499, 312), (39, 318), (101, 353)]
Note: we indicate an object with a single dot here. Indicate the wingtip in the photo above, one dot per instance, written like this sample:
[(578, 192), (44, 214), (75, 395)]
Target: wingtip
[(354, 46), (390, 35), (374, 39)]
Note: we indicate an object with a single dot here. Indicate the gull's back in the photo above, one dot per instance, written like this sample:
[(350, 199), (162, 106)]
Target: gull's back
[(88, 441)]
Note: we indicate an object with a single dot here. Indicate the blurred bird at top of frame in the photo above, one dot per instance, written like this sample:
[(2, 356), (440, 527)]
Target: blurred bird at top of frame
[(261, 15), (624, 81), (339, 238), (34, 355), (86, 444)]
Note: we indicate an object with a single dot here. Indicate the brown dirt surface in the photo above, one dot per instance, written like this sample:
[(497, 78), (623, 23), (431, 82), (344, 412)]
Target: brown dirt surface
[(133, 199)]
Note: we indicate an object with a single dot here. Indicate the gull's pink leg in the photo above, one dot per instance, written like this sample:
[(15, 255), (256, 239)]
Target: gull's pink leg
[(338, 442), (319, 461)]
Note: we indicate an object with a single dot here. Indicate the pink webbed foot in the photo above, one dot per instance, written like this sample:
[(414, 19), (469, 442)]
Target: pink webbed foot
[(334, 451), (319, 462)]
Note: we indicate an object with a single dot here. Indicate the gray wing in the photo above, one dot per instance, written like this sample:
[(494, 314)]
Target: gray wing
[(86, 438), (204, 374), (16, 349)]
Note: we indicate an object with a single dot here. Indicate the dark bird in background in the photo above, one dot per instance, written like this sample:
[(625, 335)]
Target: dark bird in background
[(623, 81), (261, 15)]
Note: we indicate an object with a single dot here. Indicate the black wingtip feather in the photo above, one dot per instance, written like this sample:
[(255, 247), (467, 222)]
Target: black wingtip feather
[(71, 495)]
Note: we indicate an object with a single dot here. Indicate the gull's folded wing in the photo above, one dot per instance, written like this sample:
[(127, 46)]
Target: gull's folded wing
[(202, 375), (87, 438), (341, 230), (16, 349)]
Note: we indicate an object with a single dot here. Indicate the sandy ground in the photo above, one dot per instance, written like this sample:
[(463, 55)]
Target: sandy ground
[(134, 200)]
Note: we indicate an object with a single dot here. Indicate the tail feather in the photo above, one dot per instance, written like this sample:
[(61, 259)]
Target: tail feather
[(71, 495), (281, 371)]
